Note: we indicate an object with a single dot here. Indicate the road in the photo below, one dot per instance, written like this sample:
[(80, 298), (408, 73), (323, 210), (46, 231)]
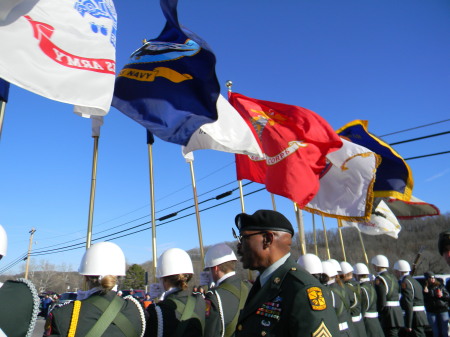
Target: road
[(39, 327)]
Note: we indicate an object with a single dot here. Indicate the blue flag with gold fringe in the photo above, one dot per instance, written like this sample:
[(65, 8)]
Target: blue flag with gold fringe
[(170, 85), (4, 90), (393, 176)]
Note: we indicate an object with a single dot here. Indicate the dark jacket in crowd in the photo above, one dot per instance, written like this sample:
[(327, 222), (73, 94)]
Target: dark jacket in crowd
[(433, 303)]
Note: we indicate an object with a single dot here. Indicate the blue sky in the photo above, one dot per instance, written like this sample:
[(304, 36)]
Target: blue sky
[(384, 61)]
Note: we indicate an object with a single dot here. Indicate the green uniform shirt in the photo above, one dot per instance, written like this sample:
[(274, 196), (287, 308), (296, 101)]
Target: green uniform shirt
[(19, 308), (291, 303), (369, 310), (389, 311), (222, 306), (412, 303), (166, 315), (60, 319)]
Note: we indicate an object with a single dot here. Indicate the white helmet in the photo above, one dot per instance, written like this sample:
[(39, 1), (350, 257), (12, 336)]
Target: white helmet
[(360, 269), (402, 265), (336, 265), (103, 258), (174, 261), (218, 254), (346, 267), (380, 261), (3, 241), (329, 269), (311, 263)]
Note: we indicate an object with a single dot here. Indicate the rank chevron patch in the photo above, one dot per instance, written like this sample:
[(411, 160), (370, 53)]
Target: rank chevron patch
[(322, 331)]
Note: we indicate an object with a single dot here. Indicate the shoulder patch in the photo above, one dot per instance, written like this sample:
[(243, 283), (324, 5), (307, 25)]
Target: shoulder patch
[(377, 281), (322, 331), (316, 298), (404, 285), (207, 308)]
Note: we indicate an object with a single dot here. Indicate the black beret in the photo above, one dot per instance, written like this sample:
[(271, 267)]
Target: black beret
[(263, 220), (444, 240)]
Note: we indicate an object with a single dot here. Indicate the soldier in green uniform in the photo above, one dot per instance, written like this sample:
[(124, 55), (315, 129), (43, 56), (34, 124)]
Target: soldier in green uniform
[(368, 301), (19, 302), (285, 300), (354, 290), (227, 298), (388, 294), (179, 312), (339, 298), (411, 301), (98, 311)]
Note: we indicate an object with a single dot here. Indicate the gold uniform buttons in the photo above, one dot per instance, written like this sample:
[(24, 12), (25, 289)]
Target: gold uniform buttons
[(276, 280), (239, 327), (293, 269), (263, 333)]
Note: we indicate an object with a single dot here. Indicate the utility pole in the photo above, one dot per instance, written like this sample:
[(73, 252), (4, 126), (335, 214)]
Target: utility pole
[(29, 252)]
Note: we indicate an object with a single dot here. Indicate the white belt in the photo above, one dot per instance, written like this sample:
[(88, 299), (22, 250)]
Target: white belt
[(343, 326), (371, 315), (419, 308), (392, 303), (356, 318)]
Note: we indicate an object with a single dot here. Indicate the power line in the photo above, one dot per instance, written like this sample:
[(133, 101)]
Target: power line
[(417, 127), (81, 244), (420, 138), (428, 155)]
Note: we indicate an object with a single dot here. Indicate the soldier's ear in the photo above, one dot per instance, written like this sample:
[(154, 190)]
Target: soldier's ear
[(267, 239)]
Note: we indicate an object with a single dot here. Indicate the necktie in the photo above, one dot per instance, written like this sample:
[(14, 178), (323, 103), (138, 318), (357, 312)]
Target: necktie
[(255, 288)]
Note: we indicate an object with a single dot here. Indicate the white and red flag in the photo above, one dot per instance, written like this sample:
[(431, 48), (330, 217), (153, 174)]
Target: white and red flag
[(382, 221), (346, 184), (62, 50), (295, 142)]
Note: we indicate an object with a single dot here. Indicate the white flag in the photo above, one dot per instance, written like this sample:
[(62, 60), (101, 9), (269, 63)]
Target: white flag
[(189, 157), (382, 221), (229, 133), (62, 50), (346, 188), (414, 208)]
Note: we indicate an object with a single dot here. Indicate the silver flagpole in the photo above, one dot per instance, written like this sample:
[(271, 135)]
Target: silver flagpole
[(152, 201)]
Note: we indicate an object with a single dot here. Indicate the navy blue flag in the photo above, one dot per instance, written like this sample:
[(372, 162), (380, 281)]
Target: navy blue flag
[(393, 176), (170, 85), (4, 90)]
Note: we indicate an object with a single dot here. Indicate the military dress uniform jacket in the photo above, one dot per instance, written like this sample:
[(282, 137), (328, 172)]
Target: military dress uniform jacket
[(369, 310), (181, 313), (291, 303), (412, 303), (77, 318), (19, 307), (388, 305), (223, 304), (354, 290), (341, 304)]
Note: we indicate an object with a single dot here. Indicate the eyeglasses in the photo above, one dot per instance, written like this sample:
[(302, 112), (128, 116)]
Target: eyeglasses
[(241, 237)]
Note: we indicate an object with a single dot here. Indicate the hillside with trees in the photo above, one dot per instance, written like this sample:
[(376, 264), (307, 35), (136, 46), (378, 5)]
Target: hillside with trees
[(416, 235)]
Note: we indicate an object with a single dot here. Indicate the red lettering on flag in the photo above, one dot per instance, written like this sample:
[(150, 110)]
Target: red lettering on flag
[(43, 32)]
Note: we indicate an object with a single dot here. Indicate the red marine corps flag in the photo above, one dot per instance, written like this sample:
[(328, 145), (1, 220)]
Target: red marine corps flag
[(295, 142)]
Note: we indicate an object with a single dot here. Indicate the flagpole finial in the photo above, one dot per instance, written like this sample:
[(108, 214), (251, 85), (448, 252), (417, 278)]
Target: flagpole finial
[(144, 41), (229, 84)]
